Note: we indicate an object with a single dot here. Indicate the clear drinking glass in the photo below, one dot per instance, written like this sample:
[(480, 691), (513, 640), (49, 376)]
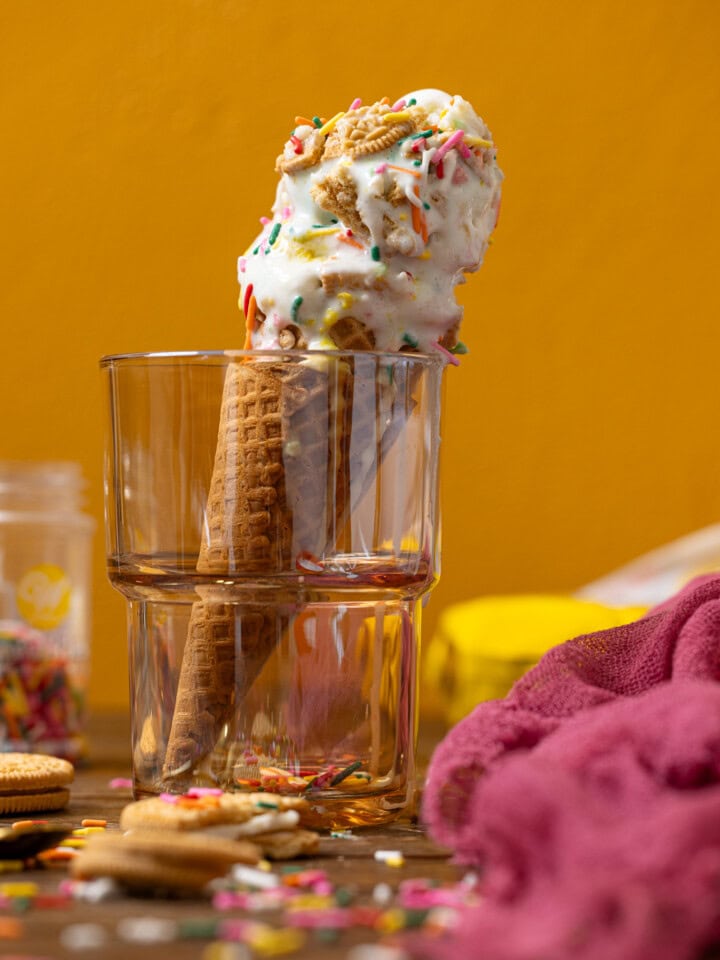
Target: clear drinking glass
[(272, 521)]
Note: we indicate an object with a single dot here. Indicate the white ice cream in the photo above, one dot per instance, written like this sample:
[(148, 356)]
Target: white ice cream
[(395, 272)]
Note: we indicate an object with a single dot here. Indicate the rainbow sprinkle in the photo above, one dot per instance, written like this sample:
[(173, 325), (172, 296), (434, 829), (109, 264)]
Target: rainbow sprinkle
[(452, 141), (446, 353), (327, 127)]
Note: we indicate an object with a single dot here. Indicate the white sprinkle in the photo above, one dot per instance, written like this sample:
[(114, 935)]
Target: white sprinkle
[(267, 822), (382, 894), (383, 855), (260, 879), (146, 929), (386, 856), (95, 891), (83, 936), (376, 951)]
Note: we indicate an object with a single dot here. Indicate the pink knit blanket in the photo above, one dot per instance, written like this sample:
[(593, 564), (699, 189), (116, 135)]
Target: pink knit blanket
[(589, 798)]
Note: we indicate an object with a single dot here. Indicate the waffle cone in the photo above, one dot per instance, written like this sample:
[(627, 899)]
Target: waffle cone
[(265, 506)]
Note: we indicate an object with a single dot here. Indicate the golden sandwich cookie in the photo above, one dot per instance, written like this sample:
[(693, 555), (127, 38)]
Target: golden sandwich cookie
[(33, 781)]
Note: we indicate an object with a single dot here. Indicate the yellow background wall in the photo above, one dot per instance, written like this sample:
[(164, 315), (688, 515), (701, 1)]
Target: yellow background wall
[(138, 148)]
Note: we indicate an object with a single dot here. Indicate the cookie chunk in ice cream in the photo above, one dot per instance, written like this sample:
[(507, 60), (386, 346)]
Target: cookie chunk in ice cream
[(380, 212)]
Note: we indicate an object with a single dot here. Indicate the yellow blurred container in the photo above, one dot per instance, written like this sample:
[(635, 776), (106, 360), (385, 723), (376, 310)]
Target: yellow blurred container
[(481, 647)]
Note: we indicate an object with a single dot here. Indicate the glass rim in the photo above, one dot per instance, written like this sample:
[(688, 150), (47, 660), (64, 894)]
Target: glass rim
[(383, 355)]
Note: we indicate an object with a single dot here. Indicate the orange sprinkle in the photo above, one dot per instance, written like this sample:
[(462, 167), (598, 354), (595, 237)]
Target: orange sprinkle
[(353, 243), (252, 308), (414, 173), (48, 856), (198, 803), (250, 324), (385, 100), (89, 822), (303, 121), (11, 928), (22, 824), (419, 221)]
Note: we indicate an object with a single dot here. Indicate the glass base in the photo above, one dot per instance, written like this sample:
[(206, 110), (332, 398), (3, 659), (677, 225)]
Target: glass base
[(311, 698)]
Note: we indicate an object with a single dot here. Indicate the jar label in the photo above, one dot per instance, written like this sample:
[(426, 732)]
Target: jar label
[(43, 596)]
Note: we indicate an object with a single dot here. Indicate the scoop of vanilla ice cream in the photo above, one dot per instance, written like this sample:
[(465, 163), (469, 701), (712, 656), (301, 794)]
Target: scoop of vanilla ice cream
[(378, 215)]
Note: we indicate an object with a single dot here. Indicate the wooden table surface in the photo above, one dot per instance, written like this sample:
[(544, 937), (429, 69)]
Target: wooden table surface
[(348, 862)]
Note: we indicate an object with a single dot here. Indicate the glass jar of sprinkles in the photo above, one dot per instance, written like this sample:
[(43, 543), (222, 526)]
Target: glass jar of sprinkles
[(45, 555)]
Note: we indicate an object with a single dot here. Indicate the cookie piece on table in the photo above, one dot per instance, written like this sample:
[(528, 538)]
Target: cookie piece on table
[(152, 861), (33, 781), (193, 811), (288, 844)]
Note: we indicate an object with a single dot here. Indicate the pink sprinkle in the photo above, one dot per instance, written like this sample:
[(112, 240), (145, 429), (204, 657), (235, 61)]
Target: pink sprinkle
[(323, 889), (446, 353), (451, 141), (357, 102), (308, 878), (465, 150), (398, 106), (120, 783), (236, 929), (229, 900), (242, 263), (169, 797), (309, 919), (204, 792), (426, 899), (381, 168), (264, 221), (286, 213)]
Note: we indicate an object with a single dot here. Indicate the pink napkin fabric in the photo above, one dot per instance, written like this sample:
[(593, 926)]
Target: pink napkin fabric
[(589, 798)]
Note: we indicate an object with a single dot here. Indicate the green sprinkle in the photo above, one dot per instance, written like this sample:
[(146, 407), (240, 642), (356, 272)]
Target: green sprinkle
[(263, 805), (317, 121), (426, 205), (255, 251), (344, 897), (417, 163), (375, 253), (423, 133), (459, 348), (292, 868), (415, 918), (409, 339), (296, 304), (326, 935), (274, 233), (197, 929), (339, 777), (411, 103)]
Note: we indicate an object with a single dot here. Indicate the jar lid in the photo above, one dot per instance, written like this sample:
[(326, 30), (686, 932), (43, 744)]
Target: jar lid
[(36, 484), (55, 473)]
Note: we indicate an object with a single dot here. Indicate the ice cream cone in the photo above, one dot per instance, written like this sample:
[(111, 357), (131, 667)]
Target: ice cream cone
[(284, 429)]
